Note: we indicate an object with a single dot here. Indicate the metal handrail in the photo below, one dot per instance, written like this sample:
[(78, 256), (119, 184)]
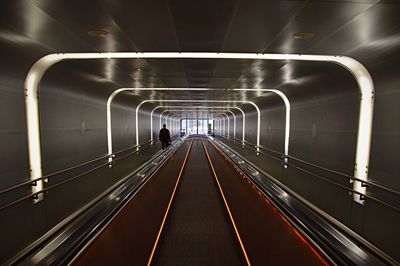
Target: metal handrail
[(30, 181), (348, 176), (349, 189), (56, 229), (364, 182), (252, 146), (338, 225), (130, 148), (32, 195), (129, 154)]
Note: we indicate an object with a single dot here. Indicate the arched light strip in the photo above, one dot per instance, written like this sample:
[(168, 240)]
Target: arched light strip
[(234, 123), (223, 132), (287, 119), (199, 107), (191, 110), (360, 73), (166, 119), (221, 126), (174, 120), (116, 92), (227, 118), (201, 101)]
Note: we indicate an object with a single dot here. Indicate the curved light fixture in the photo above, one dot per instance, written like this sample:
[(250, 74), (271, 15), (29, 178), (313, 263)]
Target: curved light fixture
[(227, 118), (279, 93), (116, 92), (223, 132), (201, 101), (287, 114), (360, 73), (234, 123), (193, 111), (186, 111), (202, 107)]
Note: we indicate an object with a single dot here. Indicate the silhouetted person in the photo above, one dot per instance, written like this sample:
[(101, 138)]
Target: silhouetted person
[(164, 137)]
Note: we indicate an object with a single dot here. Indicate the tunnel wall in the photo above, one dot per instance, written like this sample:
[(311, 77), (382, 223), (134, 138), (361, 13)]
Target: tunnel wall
[(73, 131)]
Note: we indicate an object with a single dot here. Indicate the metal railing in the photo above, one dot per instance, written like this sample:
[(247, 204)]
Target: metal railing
[(260, 175), (112, 198), (104, 158), (281, 157)]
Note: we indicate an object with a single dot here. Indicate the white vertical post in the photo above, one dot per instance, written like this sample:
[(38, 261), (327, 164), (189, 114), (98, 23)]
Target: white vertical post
[(234, 124)]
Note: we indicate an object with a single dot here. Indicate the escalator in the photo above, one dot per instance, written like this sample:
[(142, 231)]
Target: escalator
[(199, 203), (197, 230), (202, 224)]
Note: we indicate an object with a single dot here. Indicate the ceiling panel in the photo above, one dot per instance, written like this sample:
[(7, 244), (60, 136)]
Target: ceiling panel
[(320, 18), (257, 22), (379, 26), (148, 24), (201, 25), (367, 30)]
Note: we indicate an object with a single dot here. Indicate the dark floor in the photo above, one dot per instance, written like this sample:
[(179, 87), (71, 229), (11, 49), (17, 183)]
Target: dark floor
[(198, 230)]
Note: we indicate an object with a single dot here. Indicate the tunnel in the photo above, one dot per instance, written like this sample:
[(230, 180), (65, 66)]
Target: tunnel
[(207, 132)]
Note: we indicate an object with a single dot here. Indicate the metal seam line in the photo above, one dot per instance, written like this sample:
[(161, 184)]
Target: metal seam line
[(359, 72)]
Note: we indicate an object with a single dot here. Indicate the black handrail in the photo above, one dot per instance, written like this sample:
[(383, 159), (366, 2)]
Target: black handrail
[(348, 189), (389, 190), (33, 195), (348, 176), (30, 181), (40, 242), (250, 145), (326, 217)]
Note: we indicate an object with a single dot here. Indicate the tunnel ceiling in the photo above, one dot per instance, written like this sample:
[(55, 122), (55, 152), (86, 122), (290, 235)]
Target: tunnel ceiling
[(364, 29)]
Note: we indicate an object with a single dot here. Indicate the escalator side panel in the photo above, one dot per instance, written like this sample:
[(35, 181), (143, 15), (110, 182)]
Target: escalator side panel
[(129, 237), (268, 236)]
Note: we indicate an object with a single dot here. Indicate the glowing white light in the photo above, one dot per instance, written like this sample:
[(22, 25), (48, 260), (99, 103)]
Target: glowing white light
[(190, 110), (227, 118), (200, 107), (360, 73), (201, 101), (234, 124), (114, 94), (287, 119)]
